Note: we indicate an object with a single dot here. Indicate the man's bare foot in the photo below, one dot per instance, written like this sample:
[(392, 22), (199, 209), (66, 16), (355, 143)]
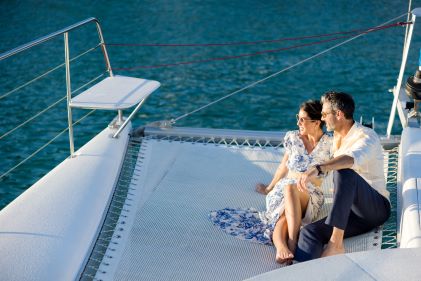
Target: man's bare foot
[(261, 188), (333, 249), (283, 255)]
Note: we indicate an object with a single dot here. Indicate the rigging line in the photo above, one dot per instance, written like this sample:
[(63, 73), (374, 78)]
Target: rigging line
[(48, 108), (229, 57), (44, 146), (241, 42), (46, 73), (174, 120), (253, 54)]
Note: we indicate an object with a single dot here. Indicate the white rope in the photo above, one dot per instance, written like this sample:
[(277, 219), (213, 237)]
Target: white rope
[(174, 120), (46, 73), (44, 146), (48, 108)]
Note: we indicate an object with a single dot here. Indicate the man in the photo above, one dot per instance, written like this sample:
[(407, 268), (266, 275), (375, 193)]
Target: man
[(360, 201)]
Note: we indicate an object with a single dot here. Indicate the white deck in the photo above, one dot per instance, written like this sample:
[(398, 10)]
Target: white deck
[(385, 265), (48, 231)]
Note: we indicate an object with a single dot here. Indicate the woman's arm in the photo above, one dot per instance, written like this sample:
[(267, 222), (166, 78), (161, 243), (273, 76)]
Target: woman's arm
[(280, 173)]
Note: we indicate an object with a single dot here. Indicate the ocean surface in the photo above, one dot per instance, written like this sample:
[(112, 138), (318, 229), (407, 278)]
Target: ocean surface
[(366, 67)]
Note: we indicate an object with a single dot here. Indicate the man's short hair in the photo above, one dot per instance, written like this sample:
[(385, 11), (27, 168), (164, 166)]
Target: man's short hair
[(340, 101)]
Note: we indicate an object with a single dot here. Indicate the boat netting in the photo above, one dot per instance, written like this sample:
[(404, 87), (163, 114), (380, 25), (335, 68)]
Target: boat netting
[(157, 227)]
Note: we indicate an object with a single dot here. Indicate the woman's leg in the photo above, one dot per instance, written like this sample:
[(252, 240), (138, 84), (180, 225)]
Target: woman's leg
[(295, 207), (280, 236)]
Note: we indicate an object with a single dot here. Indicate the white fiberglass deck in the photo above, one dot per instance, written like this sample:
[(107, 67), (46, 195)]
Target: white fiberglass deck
[(165, 233)]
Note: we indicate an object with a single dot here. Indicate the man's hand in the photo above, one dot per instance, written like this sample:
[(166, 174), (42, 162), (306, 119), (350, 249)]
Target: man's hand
[(305, 178)]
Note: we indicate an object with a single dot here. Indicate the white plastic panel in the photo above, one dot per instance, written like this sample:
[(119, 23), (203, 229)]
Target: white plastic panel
[(113, 93)]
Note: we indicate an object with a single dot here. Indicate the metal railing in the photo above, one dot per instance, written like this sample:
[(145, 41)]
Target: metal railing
[(65, 32)]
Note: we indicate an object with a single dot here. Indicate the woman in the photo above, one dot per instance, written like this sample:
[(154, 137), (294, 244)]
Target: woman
[(286, 207)]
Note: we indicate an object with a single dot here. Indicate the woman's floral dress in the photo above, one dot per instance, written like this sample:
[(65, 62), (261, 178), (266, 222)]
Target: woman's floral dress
[(250, 224)]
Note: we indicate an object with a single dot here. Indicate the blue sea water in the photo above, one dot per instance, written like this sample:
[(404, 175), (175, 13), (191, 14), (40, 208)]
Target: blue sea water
[(366, 67)]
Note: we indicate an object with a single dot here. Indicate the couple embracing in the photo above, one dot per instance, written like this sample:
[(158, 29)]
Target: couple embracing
[(294, 197)]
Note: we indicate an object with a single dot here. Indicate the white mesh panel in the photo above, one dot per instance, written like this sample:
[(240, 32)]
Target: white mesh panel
[(167, 233)]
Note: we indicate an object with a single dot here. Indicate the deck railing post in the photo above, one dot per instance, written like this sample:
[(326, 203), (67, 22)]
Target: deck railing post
[(104, 49), (69, 92), (120, 117)]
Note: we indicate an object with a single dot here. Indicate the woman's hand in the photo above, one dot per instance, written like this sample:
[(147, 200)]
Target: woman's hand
[(305, 178), (262, 188), (280, 173)]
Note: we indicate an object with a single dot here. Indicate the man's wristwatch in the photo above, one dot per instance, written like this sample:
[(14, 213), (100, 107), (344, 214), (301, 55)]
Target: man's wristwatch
[(319, 170)]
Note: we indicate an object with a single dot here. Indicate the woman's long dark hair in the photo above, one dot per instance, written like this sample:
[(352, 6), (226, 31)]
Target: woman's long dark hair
[(314, 110)]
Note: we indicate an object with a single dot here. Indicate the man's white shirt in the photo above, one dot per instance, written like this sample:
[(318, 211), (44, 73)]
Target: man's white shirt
[(363, 144)]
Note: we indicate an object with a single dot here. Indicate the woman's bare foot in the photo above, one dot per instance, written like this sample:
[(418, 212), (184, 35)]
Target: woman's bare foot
[(283, 255), (333, 249), (292, 244), (261, 188)]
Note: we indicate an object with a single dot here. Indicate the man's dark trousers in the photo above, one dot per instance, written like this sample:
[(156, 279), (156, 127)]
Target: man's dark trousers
[(357, 208)]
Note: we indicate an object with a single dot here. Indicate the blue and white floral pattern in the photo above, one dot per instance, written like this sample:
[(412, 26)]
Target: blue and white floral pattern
[(241, 223), (250, 224)]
